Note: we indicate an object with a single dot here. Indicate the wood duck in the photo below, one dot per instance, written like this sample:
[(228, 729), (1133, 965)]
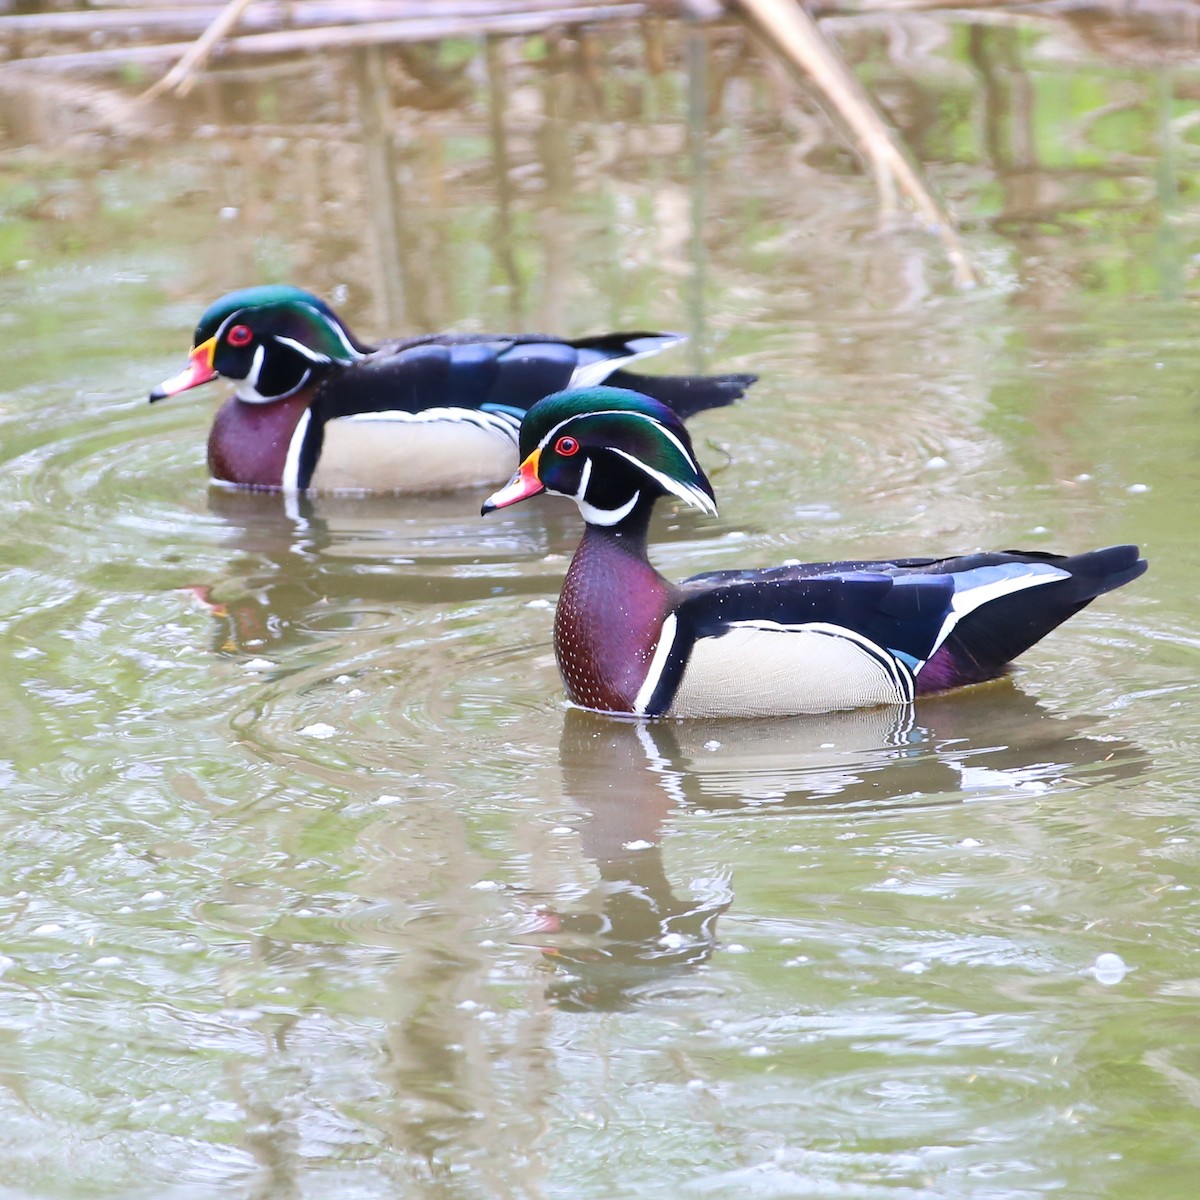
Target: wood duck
[(814, 637), (315, 408)]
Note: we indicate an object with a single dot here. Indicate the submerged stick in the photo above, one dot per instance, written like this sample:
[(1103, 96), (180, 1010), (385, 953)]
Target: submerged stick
[(795, 35)]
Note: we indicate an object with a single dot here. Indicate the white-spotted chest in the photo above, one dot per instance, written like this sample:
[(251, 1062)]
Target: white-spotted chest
[(606, 627)]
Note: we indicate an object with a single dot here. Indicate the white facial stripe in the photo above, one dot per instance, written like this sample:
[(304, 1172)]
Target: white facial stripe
[(685, 491), (342, 337), (662, 652), (624, 412), (291, 465), (300, 348), (229, 320)]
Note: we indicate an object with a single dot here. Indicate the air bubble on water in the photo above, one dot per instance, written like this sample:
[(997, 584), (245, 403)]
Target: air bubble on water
[(1109, 969), (712, 744), (387, 799), (48, 927), (969, 843), (486, 885), (1136, 489), (915, 968), (258, 664), (637, 845), (737, 948), (936, 463), (319, 730)]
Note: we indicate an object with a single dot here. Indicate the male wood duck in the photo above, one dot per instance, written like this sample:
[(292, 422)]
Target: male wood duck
[(315, 408), (784, 640)]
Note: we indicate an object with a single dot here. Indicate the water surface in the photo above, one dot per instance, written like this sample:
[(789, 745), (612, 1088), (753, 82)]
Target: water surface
[(312, 884)]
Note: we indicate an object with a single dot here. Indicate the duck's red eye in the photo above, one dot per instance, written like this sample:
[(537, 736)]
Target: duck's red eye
[(567, 446), (240, 335)]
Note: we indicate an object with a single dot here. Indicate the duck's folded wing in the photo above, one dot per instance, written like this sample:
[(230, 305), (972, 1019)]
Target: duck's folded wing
[(838, 638), (473, 370)]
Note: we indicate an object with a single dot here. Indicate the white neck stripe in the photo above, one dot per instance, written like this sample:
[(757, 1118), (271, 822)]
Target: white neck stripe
[(607, 516)]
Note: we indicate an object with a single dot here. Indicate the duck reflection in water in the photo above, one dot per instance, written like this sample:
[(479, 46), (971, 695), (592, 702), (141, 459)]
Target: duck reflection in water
[(298, 563), (636, 931)]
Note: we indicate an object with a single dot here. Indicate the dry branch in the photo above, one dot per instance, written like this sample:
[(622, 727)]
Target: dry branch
[(795, 35), (290, 41), (180, 75)]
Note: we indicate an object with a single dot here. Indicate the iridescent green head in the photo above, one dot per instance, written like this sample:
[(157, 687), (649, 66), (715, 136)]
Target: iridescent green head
[(270, 341), (607, 448)]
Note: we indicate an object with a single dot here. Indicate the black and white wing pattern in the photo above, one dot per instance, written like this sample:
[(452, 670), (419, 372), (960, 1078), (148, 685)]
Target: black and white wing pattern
[(822, 636)]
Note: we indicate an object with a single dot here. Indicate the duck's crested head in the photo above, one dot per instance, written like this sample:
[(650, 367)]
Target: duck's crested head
[(607, 448), (279, 311), (268, 340)]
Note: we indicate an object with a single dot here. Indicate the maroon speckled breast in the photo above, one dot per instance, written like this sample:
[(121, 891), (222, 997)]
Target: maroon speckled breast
[(609, 616), (248, 443)]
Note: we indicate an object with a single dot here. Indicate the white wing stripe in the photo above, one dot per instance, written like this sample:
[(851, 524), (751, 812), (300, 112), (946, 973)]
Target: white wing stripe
[(502, 423), (587, 374), (971, 598)]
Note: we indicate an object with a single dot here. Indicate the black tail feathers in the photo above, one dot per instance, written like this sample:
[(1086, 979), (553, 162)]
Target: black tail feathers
[(994, 634), (685, 394)]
